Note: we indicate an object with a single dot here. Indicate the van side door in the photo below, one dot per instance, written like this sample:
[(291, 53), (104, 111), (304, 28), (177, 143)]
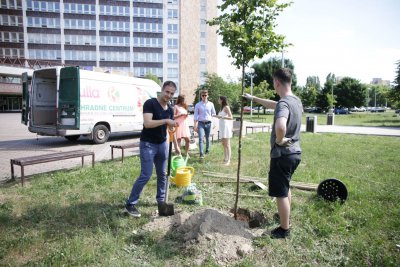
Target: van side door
[(69, 99)]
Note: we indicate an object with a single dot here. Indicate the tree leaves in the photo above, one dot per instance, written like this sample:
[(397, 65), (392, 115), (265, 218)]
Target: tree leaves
[(247, 28)]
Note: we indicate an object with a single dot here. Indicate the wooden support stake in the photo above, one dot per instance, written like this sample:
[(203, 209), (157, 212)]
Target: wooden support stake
[(249, 179), (242, 195)]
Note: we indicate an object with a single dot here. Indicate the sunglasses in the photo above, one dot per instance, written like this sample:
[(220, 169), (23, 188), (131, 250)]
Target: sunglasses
[(204, 95)]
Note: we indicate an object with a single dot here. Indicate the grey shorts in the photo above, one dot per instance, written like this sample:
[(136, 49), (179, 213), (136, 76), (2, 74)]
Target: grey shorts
[(280, 174)]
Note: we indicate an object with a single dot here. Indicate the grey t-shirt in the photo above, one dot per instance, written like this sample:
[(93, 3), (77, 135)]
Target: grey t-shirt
[(291, 108)]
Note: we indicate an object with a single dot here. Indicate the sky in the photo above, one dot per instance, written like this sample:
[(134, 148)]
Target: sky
[(354, 38)]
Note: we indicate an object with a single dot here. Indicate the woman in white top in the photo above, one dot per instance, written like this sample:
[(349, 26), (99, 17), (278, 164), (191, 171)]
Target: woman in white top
[(225, 128)]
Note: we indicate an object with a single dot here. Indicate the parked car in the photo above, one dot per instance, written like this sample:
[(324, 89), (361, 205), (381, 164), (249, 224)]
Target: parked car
[(342, 111), (247, 109), (190, 109), (397, 111), (378, 109), (356, 109), (313, 110)]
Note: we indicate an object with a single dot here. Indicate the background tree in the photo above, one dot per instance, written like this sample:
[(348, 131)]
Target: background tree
[(262, 90), (264, 70), (378, 95), (394, 95), (325, 98), (153, 77), (350, 92), (310, 91), (216, 86), (247, 30)]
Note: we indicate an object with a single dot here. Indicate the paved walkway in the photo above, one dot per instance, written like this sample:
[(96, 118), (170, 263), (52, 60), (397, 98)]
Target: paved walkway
[(384, 131), (16, 141)]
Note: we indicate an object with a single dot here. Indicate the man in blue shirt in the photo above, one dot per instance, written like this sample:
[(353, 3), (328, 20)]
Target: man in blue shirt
[(157, 116), (203, 112)]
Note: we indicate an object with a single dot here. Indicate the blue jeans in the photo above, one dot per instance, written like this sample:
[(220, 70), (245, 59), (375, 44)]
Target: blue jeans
[(204, 129), (149, 153)]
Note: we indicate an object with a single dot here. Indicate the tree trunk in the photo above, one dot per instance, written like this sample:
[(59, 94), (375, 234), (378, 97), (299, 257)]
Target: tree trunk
[(239, 146)]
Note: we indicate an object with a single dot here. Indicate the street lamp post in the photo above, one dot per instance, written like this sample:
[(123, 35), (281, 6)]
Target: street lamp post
[(251, 91)]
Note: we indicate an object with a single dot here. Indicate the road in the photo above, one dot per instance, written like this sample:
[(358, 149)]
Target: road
[(16, 141)]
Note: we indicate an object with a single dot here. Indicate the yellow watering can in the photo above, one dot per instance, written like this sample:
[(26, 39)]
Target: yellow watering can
[(177, 162), (183, 176)]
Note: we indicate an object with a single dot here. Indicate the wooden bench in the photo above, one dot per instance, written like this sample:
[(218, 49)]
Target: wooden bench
[(122, 147), (25, 161), (194, 135), (258, 127)]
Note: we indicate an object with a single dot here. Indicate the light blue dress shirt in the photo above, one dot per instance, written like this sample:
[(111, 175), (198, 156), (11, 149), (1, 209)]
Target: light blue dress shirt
[(204, 111)]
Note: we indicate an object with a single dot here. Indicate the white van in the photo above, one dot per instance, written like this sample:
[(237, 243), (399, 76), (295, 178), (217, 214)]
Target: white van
[(70, 102)]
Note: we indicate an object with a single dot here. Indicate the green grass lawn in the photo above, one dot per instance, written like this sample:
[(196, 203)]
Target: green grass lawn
[(387, 118), (75, 218)]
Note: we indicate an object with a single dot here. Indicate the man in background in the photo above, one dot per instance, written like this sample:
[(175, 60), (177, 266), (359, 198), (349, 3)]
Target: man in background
[(203, 113)]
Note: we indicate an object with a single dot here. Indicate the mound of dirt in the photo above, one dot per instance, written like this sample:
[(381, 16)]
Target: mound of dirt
[(211, 221), (207, 233)]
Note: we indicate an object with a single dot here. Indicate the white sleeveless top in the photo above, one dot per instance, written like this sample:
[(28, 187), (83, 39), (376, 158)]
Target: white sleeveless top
[(225, 126)]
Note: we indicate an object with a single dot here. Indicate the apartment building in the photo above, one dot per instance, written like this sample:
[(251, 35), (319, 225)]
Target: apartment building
[(167, 38)]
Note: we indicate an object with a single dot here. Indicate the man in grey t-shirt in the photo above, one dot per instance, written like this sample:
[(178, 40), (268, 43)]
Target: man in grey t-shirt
[(285, 145)]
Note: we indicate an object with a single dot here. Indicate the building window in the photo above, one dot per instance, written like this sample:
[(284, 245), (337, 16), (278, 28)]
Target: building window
[(172, 58), (114, 56), (172, 13), (114, 10), (44, 54), (14, 37), (80, 24), (80, 39), (172, 43), (42, 38), (10, 20), (12, 53), (172, 72), (147, 27), (172, 28), (142, 71), (147, 57), (40, 6), (80, 55), (147, 12), (43, 22), (147, 42)]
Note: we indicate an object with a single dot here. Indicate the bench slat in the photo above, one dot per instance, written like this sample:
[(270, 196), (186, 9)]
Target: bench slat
[(252, 127), (32, 161), (51, 157), (132, 145), (123, 147), (25, 161)]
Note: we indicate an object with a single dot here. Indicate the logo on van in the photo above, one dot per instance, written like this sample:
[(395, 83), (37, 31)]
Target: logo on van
[(113, 94), (89, 92)]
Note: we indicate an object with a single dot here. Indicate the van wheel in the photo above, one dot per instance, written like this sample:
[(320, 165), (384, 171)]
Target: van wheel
[(72, 137), (100, 134)]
